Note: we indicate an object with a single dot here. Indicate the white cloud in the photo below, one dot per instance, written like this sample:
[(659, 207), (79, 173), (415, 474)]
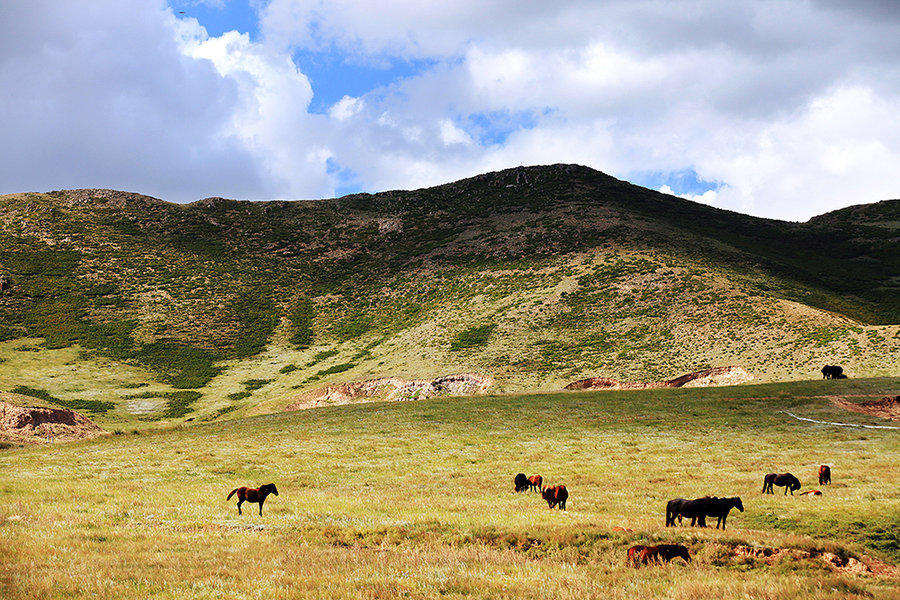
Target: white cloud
[(791, 107)]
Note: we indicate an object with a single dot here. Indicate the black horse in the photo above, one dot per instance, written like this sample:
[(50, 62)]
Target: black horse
[(786, 480), (720, 507), (695, 510), (833, 372), (521, 482)]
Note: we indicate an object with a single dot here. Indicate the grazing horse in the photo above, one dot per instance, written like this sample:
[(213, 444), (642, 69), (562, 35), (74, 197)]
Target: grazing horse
[(695, 510), (536, 483), (824, 475), (833, 372), (246, 494), (556, 495), (634, 555), (521, 482), (780, 479), (661, 553), (720, 507)]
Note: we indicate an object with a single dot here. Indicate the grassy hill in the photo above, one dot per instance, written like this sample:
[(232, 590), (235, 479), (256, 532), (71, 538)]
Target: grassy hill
[(415, 499), (535, 276)]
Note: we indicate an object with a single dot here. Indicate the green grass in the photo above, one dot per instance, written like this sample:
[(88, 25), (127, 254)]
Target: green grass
[(415, 499)]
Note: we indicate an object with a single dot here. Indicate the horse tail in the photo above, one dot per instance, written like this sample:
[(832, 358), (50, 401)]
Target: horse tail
[(233, 492)]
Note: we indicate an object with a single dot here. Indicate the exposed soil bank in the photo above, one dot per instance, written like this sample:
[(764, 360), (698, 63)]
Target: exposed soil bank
[(33, 424), (393, 389), (717, 376)]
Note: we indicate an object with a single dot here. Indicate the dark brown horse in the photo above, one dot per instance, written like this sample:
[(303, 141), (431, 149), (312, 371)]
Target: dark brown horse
[(695, 510), (536, 483), (259, 495), (556, 495), (824, 475), (720, 507), (788, 481), (662, 553)]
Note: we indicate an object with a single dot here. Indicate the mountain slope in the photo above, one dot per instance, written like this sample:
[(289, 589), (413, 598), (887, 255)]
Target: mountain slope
[(536, 276)]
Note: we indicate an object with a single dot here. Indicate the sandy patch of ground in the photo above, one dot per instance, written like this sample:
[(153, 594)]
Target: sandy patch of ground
[(36, 424), (863, 565), (886, 408), (717, 376), (393, 389)]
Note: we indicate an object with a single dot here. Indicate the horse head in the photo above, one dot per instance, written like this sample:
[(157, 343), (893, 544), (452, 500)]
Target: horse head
[(736, 501), (270, 488)]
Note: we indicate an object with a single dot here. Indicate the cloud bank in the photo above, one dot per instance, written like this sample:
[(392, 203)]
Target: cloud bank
[(776, 109)]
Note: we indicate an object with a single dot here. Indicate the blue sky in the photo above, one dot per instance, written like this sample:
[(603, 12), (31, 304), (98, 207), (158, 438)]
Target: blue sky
[(772, 108)]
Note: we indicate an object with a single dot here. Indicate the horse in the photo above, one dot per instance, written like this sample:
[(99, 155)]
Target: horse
[(661, 553), (536, 483), (783, 479), (720, 507), (555, 495), (695, 510), (259, 495), (634, 555), (824, 475), (833, 372), (521, 482)]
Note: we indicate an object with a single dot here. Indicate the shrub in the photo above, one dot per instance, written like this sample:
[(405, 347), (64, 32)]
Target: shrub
[(473, 337)]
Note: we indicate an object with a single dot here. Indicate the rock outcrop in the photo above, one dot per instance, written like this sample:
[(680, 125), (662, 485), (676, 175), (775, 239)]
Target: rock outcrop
[(717, 376), (394, 389), (33, 424)]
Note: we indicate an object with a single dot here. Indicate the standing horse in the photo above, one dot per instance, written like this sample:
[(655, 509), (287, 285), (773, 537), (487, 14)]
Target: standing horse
[(259, 495), (780, 479), (833, 372), (824, 475), (536, 483), (720, 507), (695, 510), (556, 495)]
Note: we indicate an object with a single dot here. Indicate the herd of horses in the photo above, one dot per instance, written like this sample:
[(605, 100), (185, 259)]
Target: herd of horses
[(677, 509)]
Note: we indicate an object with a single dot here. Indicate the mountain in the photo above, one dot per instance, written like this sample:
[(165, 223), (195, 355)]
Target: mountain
[(534, 276)]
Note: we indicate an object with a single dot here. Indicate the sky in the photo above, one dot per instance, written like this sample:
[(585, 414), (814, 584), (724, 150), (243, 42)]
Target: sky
[(777, 108)]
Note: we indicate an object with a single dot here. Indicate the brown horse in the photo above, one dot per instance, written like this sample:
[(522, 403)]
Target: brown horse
[(259, 495), (824, 475), (536, 483), (634, 555), (662, 553), (556, 495)]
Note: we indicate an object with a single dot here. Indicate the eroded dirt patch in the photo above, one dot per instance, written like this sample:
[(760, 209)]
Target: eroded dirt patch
[(846, 564), (393, 389), (717, 376), (885, 408), (35, 425)]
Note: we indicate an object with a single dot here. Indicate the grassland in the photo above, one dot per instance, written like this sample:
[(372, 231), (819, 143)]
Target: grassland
[(415, 500)]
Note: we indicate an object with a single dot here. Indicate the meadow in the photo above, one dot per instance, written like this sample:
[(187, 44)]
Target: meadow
[(415, 499)]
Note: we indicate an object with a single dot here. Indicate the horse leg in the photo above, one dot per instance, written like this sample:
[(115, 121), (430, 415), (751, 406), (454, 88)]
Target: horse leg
[(240, 501), (260, 506)]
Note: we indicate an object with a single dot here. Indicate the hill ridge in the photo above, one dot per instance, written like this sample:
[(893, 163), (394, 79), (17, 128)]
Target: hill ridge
[(535, 276)]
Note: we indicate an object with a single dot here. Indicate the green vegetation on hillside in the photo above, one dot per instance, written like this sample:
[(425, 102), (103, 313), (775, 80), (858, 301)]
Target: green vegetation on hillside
[(540, 274)]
